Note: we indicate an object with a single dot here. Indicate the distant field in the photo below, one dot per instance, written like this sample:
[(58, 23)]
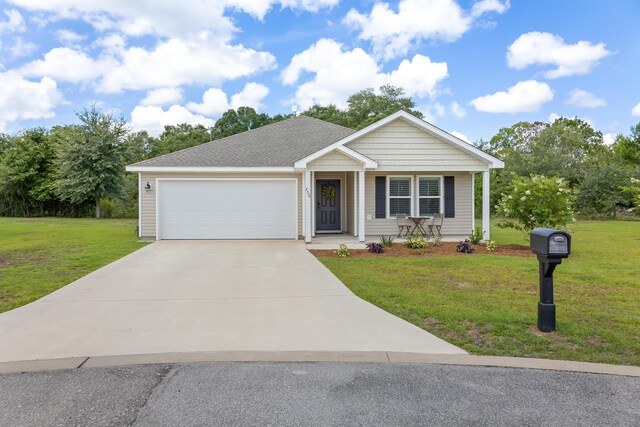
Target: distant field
[(40, 255), (488, 304)]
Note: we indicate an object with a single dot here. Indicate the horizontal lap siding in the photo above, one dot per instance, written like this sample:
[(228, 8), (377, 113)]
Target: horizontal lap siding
[(148, 199), (460, 225), (334, 161), (400, 146)]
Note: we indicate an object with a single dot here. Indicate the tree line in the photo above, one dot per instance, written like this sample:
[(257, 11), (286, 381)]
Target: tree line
[(79, 169)]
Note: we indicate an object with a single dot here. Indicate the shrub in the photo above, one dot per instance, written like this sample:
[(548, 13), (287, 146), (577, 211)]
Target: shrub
[(491, 246), (343, 251), (387, 241), (376, 248), (437, 241), (415, 242), (476, 235), (634, 191), (464, 247), (536, 202)]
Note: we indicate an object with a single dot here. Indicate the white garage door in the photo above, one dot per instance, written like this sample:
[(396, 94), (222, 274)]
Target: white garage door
[(227, 209)]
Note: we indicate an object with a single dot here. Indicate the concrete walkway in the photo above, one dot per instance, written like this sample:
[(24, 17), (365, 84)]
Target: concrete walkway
[(208, 296)]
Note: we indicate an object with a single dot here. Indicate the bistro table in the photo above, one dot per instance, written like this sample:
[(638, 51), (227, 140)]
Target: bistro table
[(419, 225)]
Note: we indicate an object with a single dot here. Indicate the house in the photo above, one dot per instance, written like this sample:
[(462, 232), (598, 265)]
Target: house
[(302, 177)]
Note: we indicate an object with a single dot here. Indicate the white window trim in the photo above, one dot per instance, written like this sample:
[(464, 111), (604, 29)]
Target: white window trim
[(418, 197), (410, 197)]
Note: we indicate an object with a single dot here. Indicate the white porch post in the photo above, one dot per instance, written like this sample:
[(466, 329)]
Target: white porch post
[(485, 206), (306, 206), (361, 235)]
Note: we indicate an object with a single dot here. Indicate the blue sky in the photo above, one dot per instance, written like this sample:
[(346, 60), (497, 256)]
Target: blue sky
[(471, 66)]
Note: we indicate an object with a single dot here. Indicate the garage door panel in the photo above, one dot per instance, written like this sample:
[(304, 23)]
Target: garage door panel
[(227, 209)]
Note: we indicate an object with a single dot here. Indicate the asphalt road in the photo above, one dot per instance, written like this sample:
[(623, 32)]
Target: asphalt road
[(282, 394)]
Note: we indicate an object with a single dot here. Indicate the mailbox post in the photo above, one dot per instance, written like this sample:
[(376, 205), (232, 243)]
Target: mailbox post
[(550, 246)]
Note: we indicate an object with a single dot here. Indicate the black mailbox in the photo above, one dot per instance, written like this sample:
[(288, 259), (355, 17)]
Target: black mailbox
[(550, 246), (550, 243)]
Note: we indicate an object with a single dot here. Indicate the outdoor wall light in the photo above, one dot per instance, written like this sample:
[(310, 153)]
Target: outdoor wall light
[(147, 187)]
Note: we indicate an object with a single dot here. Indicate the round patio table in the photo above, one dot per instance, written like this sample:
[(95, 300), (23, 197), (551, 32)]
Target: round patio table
[(419, 224)]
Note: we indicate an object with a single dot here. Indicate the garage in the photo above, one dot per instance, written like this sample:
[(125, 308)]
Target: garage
[(227, 209)]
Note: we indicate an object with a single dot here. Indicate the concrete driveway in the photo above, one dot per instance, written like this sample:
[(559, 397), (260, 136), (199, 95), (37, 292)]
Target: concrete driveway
[(207, 296)]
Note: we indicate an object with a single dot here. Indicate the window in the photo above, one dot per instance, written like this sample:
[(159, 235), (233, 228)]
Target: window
[(399, 196), (429, 195)]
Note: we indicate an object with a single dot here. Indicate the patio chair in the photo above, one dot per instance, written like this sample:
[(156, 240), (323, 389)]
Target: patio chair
[(436, 225), (403, 224)]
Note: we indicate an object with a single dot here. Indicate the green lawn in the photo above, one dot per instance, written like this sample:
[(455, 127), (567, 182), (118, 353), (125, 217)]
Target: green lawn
[(488, 304), (40, 255)]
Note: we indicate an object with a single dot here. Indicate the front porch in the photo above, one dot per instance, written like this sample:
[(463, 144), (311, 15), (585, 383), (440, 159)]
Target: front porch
[(357, 214)]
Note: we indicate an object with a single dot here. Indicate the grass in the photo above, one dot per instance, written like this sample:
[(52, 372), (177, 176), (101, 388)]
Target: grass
[(488, 304), (40, 255)]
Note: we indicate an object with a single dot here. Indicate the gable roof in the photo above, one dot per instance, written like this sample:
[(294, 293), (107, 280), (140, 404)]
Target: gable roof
[(276, 145), (421, 124)]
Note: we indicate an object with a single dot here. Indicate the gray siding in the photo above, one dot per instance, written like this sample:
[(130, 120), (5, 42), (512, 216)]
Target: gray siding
[(334, 161), (400, 146), (461, 225), (148, 199)]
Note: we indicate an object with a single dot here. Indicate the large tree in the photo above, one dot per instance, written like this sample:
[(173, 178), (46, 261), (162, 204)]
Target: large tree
[(179, 137), (328, 113), (237, 121), (27, 174), (366, 106), (90, 160)]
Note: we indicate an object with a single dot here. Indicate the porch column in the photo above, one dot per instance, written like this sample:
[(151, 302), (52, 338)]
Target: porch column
[(361, 235), (485, 206), (306, 206)]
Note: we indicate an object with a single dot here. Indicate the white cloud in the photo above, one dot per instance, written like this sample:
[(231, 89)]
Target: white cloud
[(215, 102), (546, 48), (457, 110), (635, 111), (584, 99), (69, 37), (393, 33), (68, 65), (608, 139), (153, 119), (21, 99), (523, 97), (177, 62), (461, 136), (250, 96), (433, 112), (481, 7), (20, 48), (14, 23), (337, 74), (553, 117), (186, 19), (163, 96)]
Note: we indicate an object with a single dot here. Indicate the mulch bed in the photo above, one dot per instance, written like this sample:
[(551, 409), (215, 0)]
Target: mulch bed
[(449, 248)]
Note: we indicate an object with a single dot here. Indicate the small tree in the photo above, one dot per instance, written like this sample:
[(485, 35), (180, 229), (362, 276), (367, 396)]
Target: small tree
[(537, 201), (91, 159)]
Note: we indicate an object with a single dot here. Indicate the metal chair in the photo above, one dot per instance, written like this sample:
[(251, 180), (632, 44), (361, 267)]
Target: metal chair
[(403, 224), (436, 224)]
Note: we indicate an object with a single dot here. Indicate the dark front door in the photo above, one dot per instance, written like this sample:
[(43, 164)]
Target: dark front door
[(328, 205)]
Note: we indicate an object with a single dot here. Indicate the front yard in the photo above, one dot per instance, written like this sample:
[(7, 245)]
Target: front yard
[(40, 255), (487, 304)]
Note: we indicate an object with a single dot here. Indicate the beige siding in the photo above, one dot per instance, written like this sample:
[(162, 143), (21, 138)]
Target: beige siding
[(400, 146), (334, 161), (148, 199), (461, 225)]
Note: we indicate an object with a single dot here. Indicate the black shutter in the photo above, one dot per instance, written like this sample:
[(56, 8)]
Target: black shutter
[(449, 197), (381, 196)]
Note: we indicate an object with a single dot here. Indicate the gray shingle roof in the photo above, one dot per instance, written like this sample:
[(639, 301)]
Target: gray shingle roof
[(279, 144)]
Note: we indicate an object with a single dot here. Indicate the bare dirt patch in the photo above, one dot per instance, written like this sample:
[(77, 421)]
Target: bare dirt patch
[(446, 249)]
